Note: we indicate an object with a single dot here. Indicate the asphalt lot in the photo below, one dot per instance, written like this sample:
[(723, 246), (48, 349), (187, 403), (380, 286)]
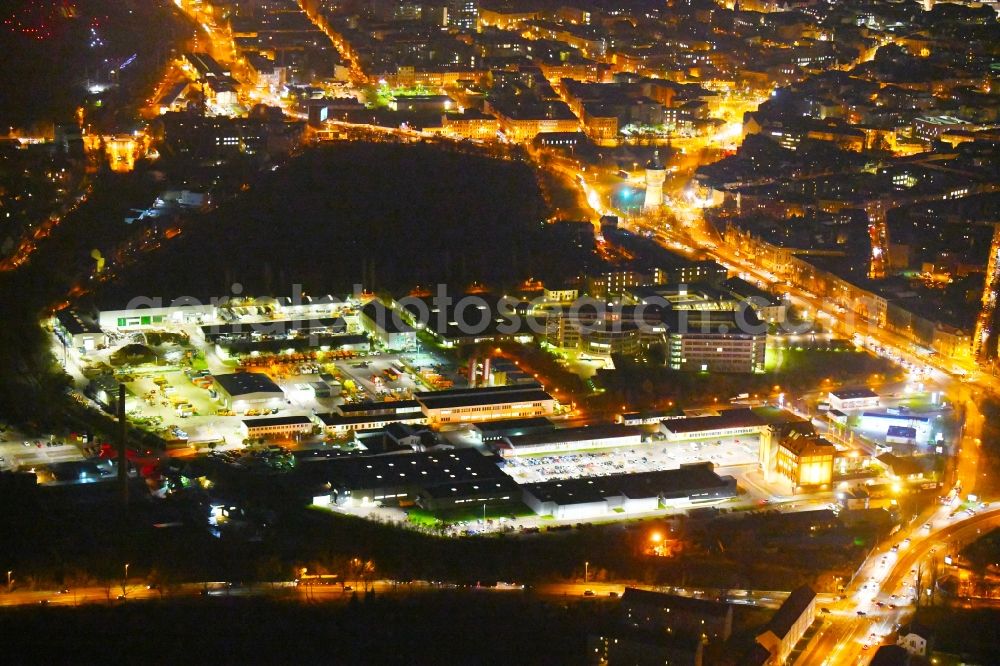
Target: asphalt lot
[(16, 455), (654, 456)]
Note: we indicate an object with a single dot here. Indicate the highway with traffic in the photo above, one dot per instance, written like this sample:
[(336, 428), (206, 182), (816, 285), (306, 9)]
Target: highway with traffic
[(883, 594)]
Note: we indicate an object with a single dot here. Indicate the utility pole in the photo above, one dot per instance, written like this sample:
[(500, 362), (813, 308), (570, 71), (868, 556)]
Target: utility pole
[(122, 458)]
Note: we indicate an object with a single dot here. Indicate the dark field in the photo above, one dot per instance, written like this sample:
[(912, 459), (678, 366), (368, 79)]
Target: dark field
[(429, 628), (386, 216), (46, 75)]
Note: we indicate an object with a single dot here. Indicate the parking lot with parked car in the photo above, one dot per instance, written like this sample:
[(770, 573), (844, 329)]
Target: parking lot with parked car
[(653, 456)]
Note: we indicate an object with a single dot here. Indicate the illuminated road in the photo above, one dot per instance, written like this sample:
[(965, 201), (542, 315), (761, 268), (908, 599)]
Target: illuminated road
[(966, 456), (132, 592), (358, 77), (605, 590), (887, 579), (29, 243), (220, 45)]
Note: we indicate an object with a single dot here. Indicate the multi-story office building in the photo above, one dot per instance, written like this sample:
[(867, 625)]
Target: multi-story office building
[(715, 342), (618, 331), (463, 14)]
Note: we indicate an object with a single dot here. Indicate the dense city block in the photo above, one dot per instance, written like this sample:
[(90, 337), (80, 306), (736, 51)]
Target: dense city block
[(498, 331)]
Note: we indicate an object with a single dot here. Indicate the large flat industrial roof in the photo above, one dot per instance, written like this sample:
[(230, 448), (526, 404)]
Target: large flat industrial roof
[(513, 426), (422, 470), (853, 393), (385, 318), (76, 324), (896, 417), (474, 487), (173, 93), (729, 418), (671, 483), (244, 383), (248, 344), (277, 327), (309, 301), (486, 398), (373, 408), (276, 421), (489, 317), (331, 420), (651, 414), (475, 391), (582, 433)]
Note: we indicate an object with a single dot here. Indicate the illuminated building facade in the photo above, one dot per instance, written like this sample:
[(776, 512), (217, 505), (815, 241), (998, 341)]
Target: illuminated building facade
[(122, 151), (485, 404), (470, 124), (599, 338), (788, 624), (505, 18), (717, 351), (617, 282), (727, 423), (463, 14), (805, 460), (655, 175), (715, 341), (853, 398), (526, 125), (281, 426)]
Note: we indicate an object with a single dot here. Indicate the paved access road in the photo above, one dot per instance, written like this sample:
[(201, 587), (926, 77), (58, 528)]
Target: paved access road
[(845, 634)]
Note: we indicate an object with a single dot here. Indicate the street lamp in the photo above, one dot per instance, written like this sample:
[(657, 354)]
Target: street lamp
[(656, 541), (586, 571), (9, 579)]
